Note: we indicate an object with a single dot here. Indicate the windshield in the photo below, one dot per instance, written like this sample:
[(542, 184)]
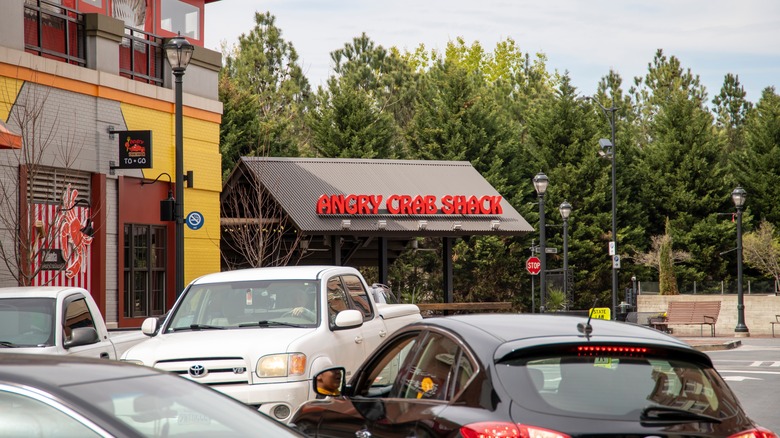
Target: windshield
[(169, 406), (26, 322), (616, 387), (273, 303)]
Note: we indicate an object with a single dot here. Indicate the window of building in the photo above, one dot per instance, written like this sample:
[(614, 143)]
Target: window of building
[(92, 6), (144, 270), (177, 16)]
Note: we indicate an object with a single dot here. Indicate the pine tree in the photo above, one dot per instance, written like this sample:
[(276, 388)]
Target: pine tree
[(357, 115), (264, 94), (757, 166), (666, 277)]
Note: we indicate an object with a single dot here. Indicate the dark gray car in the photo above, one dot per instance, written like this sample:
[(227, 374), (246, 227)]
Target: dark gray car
[(520, 375), (56, 396)]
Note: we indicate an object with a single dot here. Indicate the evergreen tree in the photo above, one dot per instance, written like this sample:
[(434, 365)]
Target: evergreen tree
[(757, 166), (683, 177), (667, 281), (264, 94), (731, 109), (357, 114)]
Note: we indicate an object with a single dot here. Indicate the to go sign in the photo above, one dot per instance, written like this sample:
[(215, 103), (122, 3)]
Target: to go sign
[(533, 265)]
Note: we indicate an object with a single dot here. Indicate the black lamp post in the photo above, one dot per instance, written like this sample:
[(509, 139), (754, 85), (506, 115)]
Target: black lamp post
[(565, 210), (179, 52), (540, 184), (608, 150), (739, 195)]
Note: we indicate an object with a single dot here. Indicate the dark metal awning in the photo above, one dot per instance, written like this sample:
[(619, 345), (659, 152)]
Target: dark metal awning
[(297, 184)]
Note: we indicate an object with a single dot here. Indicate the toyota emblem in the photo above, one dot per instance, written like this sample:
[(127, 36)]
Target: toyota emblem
[(197, 371)]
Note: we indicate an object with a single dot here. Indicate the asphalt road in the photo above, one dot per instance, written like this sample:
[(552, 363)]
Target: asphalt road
[(752, 370)]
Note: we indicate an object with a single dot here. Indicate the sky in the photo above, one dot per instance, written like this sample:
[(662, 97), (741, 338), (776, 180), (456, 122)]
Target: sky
[(587, 38)]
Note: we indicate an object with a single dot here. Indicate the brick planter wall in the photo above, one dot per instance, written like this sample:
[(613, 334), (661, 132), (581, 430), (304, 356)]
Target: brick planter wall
[(759, 311)]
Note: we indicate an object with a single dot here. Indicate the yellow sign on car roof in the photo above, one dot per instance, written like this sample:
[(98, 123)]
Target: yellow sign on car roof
[(600, 313)]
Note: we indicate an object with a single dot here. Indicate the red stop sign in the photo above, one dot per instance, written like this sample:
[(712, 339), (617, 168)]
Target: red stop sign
[(533, 265)]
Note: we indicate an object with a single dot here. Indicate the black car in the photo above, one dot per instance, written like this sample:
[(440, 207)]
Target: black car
[(512, 375), (59, 396)]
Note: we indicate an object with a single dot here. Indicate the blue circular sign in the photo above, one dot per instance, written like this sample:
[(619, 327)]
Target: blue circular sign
[(195, 220)]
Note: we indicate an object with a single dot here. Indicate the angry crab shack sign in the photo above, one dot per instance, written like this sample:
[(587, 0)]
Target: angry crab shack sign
[(409, 204)]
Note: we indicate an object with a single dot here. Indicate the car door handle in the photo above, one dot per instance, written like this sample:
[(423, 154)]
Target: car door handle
[(104, 355), (358, 339), (363, 433), (382, 333)]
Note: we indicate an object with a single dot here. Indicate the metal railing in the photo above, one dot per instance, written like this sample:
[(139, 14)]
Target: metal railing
[(760, 287), (54, 31), (141, 56)]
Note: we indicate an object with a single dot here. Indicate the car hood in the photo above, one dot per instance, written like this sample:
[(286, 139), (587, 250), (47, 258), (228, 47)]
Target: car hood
[(31, 350), (247, 342)]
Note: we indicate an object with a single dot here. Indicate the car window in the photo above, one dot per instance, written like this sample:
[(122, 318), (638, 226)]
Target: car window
[(22, 415), (168, 405), (383, 373), (27, 321), (431, 375), (337, 298), (358, 295), (233, 305), (77, 315), (615, 387)]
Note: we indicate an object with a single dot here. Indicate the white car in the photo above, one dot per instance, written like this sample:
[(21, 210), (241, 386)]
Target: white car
[(259, 335), (58, 320)]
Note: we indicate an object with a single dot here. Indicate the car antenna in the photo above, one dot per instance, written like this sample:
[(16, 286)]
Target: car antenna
[(586, 329)]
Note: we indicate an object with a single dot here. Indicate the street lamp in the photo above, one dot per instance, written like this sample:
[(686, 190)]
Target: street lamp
[(739, 195), (179, 52), (565, 210), (608, 150), (540, 184)]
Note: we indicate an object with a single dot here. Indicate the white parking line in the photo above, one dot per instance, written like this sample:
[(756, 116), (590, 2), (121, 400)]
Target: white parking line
[(749, 372), (739, 378)]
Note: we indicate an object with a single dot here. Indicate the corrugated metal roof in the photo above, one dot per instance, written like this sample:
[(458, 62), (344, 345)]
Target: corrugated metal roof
[(297, 183)]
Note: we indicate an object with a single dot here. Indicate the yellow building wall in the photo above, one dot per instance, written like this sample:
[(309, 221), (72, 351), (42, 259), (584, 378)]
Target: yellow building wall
[(202, 157), (9, 89)]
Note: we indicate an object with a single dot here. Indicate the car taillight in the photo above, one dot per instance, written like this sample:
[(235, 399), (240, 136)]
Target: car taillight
[(500, 429), (611, 350), (758, 432)]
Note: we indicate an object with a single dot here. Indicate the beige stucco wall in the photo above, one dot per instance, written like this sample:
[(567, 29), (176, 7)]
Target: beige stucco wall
[(759, 311)]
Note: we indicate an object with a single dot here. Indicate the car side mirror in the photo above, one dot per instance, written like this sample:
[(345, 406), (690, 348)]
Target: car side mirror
[(330, 382), (348, 319), (149, 326), (82, 336)]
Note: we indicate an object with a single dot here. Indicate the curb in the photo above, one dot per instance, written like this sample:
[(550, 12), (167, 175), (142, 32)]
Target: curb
[(728, 345)]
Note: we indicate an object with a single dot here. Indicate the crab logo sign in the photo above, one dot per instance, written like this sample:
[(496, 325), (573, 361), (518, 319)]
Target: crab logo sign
[(533, 265)]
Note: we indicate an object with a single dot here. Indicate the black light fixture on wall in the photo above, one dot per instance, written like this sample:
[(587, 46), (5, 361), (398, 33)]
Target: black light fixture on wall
[(167, 206)]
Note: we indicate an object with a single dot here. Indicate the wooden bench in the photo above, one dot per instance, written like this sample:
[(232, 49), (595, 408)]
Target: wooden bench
[(776, 321), (465, 307), (699, 313)]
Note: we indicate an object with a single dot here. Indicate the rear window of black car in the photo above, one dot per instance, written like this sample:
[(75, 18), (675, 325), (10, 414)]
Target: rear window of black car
[(617, 387)]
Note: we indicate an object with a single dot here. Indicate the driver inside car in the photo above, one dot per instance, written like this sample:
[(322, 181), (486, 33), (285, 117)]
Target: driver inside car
[(301, 306)]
